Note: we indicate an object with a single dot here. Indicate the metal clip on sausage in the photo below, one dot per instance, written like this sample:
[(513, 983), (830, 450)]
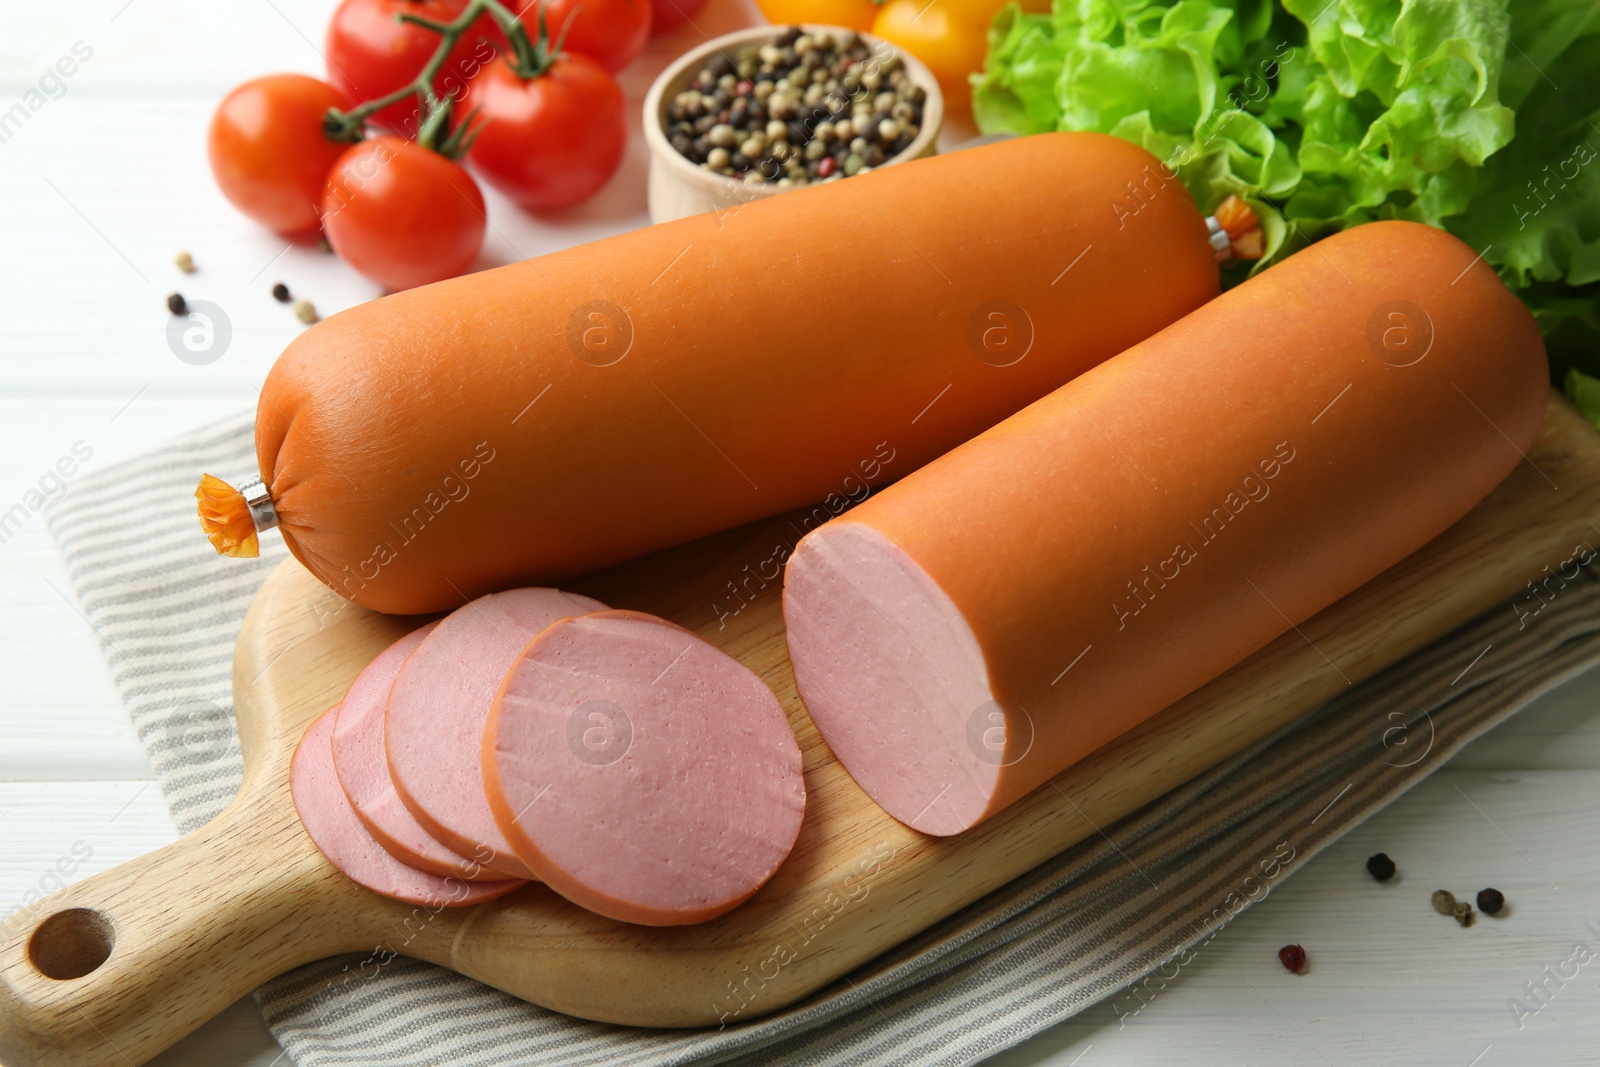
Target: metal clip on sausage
[(1220, 241), (259, 500), (232, 518)]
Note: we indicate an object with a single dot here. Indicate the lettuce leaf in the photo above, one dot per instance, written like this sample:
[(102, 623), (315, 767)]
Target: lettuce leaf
[(1181, 79), (1325, 114), (1584, 392), (1537, 209)]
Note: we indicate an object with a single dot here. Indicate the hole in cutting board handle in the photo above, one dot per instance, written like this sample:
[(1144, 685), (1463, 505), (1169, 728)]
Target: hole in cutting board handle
[(71, 944)]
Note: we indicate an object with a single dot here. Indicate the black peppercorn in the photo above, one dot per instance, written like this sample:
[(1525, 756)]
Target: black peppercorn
[(769, 101), (1380, 866), (177, 304), (1490, 901), (280, 293)]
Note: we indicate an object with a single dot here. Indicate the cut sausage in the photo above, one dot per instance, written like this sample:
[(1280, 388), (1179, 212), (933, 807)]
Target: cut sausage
[(971, 632), (547, 418), (333, 827), (433, 727), (643, 773), (363, 768)]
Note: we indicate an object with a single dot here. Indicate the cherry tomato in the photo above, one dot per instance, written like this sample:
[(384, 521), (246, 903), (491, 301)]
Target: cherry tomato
[(552, 141), (401, 214), (612, 32), (854, 14), (952, 46), (669, 15), (371, 54), (268, 152)]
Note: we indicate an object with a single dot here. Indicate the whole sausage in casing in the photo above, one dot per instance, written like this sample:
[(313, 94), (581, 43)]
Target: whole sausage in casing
[(972, 631), (547, 418)]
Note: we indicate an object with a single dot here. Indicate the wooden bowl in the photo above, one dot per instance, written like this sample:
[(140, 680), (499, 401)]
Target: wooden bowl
[(678, 187)]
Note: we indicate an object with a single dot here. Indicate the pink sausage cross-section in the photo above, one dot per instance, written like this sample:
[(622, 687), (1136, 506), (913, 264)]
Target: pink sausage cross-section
[(439, 704), (642, 772), (363, 767), (338, 834)]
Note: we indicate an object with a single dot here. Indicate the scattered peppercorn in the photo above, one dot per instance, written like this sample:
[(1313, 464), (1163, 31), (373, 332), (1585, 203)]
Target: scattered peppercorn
[(185, 262), (1292, 957), (305, 312), (800, 109), (1380, 866), (1490, 901), (280, 293), (1444, 901), (1463, 913), (177, 304)]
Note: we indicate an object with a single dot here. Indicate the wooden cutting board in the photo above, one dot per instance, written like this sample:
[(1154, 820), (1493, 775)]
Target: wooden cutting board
[(117, 967)]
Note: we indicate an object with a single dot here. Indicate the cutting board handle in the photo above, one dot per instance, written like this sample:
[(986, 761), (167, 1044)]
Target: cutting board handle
[(115, 968)]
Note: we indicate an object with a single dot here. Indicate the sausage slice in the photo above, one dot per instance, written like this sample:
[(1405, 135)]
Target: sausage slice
[(642, 773), (363, 769), (338, 834), (433, 727)]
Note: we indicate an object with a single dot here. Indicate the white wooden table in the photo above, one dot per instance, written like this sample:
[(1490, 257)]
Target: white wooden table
[(106, 179)]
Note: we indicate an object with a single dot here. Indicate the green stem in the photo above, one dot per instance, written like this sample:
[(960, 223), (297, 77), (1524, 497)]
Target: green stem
[(529, 58)]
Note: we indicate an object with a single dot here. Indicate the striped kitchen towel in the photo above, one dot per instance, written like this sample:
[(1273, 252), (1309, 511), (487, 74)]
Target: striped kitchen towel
[(1068, 935)]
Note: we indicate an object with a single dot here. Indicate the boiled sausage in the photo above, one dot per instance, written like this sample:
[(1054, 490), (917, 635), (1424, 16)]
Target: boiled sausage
[(640, 771), (547, 418), (333, 827), (975, 629), (363, 767), (433, 726)]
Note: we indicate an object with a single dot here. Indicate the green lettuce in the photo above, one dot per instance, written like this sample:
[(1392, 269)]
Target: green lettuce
[(1537, 208), (1324, 114), (1584, 392)]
